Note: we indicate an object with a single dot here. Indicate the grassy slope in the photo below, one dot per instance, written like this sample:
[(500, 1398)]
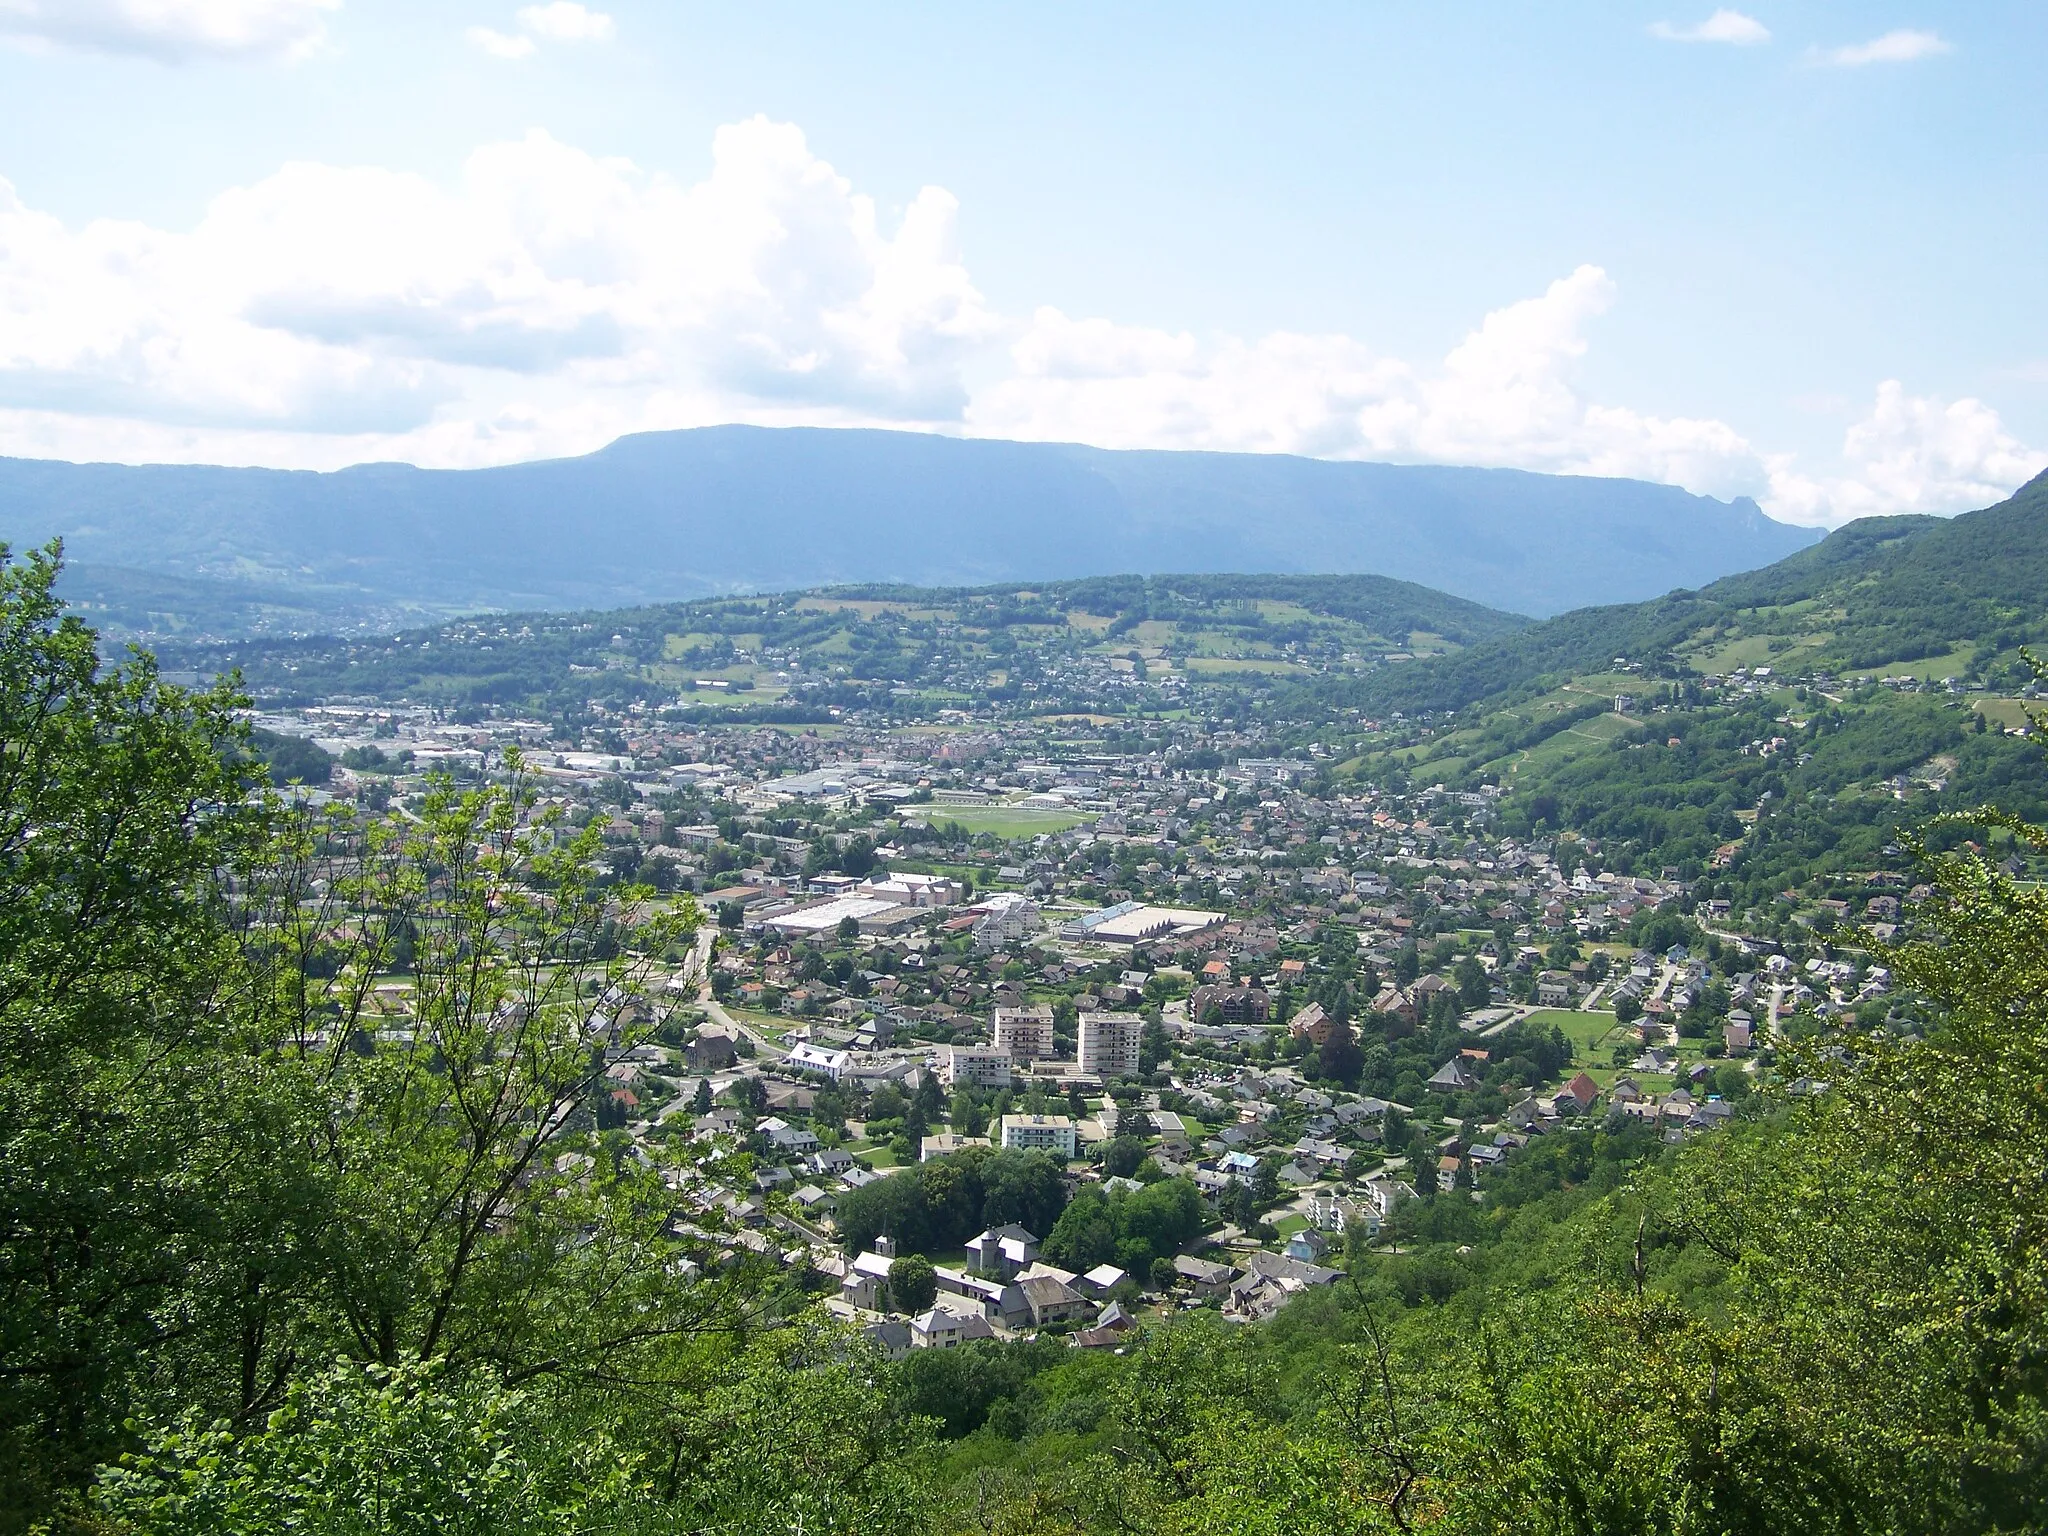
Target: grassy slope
[(1215, 626), (1888, 591)]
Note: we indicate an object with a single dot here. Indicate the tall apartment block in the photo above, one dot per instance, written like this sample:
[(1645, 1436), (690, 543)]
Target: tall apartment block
[(1109, 1043), (1026, 1033)]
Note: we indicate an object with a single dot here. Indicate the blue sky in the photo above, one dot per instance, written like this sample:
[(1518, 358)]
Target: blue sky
[(1787, 252)]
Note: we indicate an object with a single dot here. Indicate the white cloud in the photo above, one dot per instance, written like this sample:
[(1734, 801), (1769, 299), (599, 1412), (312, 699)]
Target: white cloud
[(175, 31), (501, 45), (1723, 26), (549, 300), (1901, 46), (1503, 396), (564, 21), (1912, 454)]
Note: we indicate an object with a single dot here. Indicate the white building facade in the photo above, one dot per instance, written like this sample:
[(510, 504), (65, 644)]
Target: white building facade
[(1109, 1044), (1039, 1133)]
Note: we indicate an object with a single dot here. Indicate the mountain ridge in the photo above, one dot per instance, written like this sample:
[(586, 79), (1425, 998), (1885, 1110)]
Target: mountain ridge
[(673, 515)]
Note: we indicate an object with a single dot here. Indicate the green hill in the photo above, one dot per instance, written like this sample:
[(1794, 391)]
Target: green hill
[(1114, 643), (1783, 727), (1939, 597)]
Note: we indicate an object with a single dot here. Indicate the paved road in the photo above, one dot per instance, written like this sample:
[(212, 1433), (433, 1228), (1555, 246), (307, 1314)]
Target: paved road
[(1778, 990), (700, 962), (1665, 979)]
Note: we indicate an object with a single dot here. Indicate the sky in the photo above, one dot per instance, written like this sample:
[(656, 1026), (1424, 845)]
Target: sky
[(1786, 252)]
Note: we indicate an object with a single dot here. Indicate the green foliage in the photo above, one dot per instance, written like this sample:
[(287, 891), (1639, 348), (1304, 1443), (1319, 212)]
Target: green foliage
[(226, 1161), (132, 1101), (937, 1206), (1128, 1228), (291, 759), (792, 1436), (389, 1450), (1122, 1155), (962, 1389), (913, 1284), (800, 1437)]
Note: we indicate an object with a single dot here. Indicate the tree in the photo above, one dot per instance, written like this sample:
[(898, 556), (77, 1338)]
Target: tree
[(447, 1179), (700, 1102), (1265, 1186), (1086, 1233), (1153, 1045), (1395, 1131), (291, 759), (125, 1067), (913, 1283), (789, 1435), (334, 1457), (859, 857), (940, 1204), (1122, 1155), (1423, 1161), (1340, 1057), (1627, 1008), (1161, 1218), (929, 1100), (1474, 989)]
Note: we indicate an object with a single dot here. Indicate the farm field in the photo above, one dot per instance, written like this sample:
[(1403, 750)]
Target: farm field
[(1004, 820)]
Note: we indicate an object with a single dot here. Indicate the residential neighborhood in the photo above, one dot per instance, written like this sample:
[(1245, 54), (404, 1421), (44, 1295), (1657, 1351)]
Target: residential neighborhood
[(1313, 1005)]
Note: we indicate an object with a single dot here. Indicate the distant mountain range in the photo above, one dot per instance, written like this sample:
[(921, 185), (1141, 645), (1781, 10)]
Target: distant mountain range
[(674, 515)]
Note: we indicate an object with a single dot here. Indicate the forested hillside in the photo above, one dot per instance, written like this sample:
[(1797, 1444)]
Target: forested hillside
[(1963, 593), (1768, 734)]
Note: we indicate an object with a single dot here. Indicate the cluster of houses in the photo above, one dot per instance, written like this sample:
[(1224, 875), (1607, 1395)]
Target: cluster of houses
[(1004, 1290)]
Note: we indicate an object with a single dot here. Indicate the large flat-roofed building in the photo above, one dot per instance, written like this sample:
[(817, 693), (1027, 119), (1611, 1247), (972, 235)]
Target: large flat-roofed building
[(1109, 1044), (979, 1066), (1039, 1133), (1129, 923), (825, 917), (1026, 1033)]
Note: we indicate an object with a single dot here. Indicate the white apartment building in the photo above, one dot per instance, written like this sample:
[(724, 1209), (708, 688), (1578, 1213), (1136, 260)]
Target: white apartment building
[(1039, 1133), (1109, 1044), (1026, 1033), (979, 1066), (819, 1062)]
